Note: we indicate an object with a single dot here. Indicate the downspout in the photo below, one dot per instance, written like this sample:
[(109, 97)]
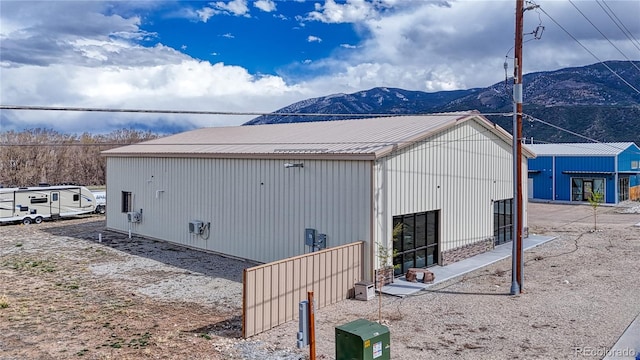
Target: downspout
[(616, 195), (372, 221), (553, 179)]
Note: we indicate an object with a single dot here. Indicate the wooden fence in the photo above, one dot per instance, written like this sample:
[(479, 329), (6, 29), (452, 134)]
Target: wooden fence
[(272, 292)]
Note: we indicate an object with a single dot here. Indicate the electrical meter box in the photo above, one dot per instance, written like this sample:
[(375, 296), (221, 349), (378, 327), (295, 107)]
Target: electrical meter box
[(363, 340)]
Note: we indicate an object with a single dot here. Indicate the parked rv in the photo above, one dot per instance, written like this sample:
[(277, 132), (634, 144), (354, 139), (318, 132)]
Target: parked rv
[(35, 204), (101, 201)]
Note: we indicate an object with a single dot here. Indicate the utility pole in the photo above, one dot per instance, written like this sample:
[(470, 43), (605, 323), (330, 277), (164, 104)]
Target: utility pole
[(517, 264)]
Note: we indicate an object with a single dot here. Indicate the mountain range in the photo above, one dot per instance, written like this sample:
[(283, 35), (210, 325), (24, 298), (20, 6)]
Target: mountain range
[(599, 101)]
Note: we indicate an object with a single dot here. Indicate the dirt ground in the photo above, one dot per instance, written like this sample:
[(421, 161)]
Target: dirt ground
[(64, 294), (56, 303)]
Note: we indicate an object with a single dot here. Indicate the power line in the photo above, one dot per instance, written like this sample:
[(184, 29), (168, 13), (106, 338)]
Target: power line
[(232, 113), (559, 128), (532, 118), (154, 111), (432, 142), (620, 24), (378, 143), (590, 52), (603, 35), (42, 108)]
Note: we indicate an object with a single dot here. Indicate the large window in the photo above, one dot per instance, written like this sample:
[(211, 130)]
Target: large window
[(126, 201), (502, 221), (582, 188), (415, 244)]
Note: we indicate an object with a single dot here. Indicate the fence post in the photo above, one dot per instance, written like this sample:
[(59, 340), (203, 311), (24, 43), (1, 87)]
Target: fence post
[(312, 326)]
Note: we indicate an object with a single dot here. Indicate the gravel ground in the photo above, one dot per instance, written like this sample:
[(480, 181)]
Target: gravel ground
[(581, 292), (69, 296)]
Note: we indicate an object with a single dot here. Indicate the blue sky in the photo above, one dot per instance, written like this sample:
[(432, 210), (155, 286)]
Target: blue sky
[(273, 42), (261, 55)]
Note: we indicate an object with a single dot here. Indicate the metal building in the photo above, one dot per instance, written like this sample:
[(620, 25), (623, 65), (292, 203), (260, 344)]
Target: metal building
[(252, 191), (573, 171)]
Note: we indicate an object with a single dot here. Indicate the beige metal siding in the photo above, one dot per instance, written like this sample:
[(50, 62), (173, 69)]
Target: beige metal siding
[(272, 292), (458, 171), (258, 209)]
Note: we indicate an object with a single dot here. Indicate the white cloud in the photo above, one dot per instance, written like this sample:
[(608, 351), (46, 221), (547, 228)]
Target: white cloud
[(86, 68), (84, 58), (187, 85), (420, 47), (206, 13), (235, 7), (265, 5), (352, 11)]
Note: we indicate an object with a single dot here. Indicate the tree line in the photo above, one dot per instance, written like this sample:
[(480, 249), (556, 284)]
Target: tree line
[(37, 156)]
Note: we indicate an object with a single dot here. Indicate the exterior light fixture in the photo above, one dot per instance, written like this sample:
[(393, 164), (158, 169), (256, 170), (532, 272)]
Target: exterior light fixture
[(293, 165)]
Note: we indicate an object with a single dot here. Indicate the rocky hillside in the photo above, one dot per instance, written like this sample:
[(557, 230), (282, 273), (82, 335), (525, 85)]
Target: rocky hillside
[(590, 100)]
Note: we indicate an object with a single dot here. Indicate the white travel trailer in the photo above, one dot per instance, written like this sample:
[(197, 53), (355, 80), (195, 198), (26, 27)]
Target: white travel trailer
[(35, 204), (101, 201)]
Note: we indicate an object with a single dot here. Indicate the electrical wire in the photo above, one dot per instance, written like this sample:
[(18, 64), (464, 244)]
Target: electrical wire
[(558, 128), (205, 112), (577, 145), (590, 52), (432, 143), (603, 35), (620, 24)]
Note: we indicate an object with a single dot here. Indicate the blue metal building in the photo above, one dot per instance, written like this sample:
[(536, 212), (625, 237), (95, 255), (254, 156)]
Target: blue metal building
[(573, 171)]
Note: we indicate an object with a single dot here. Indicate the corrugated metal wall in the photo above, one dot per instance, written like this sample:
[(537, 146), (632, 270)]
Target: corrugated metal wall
[(271, 292), (543, 178), (258, 209), (584, 163), (459, 171)]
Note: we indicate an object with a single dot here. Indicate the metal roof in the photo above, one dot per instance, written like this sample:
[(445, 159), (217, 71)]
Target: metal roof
[(40, 188), (346, 139), (580, 149), (586, 172)]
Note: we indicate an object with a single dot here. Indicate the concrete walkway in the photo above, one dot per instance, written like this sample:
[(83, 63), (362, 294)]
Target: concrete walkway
[(400, 287), (628, 346)]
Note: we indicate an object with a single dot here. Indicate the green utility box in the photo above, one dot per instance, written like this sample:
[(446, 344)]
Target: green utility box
[(362, 340)]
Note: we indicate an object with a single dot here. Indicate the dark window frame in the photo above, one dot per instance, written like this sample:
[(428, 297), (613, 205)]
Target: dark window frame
[(127, 205), (623, 188), (581, 187), (418, 243), (502, 221)]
